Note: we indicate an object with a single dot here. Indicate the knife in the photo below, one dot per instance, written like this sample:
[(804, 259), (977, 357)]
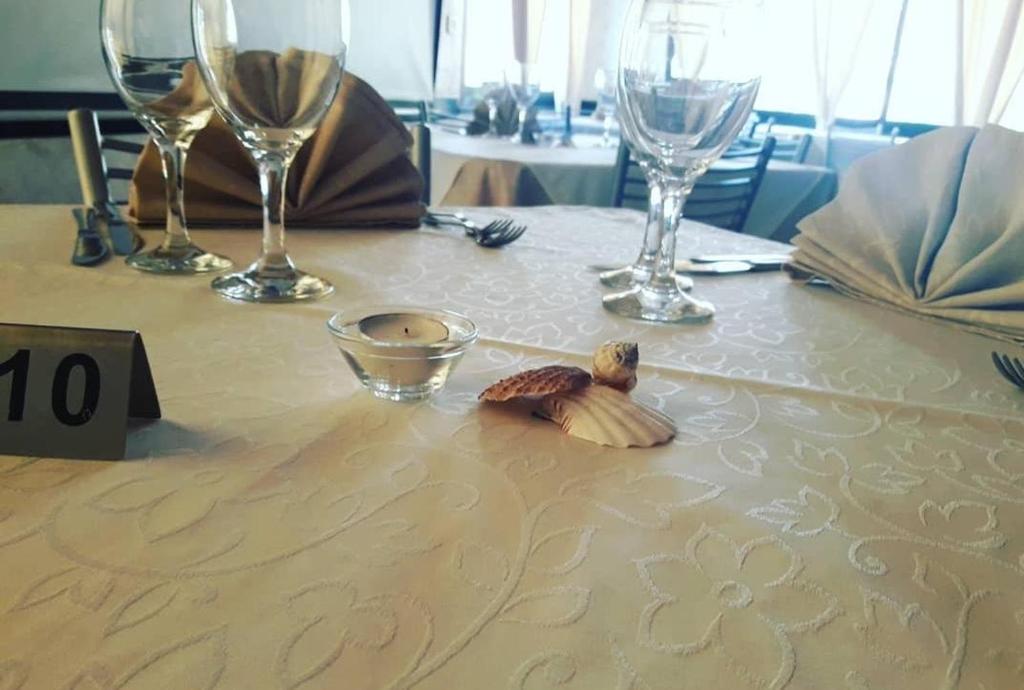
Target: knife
[(761, 261), (90, 249), (85, 140), (693, 266), (123, 237)]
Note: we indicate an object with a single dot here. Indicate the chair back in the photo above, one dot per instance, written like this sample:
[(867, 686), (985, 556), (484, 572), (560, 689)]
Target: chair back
[(410, 112), (630, 182), (723, 197), (725, 194), (421, 156), (90, 147), (41, 114)]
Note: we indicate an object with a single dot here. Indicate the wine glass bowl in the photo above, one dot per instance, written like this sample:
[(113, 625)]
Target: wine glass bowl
[(273, 68), (148, 52), (687, 84)]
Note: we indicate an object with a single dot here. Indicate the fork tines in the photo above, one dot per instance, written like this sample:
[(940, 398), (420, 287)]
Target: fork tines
[(504, 233), (1011, 368)]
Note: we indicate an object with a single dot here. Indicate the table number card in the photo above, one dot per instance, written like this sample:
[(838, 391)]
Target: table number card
[(69, 392)]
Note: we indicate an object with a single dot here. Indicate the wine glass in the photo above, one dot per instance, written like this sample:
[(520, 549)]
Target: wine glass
[(147, 47), (641, 271), (273, 68), (688, 80)]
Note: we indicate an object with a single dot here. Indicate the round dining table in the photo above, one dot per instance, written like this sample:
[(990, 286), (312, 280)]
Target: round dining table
[(585, 175), (842, 507)]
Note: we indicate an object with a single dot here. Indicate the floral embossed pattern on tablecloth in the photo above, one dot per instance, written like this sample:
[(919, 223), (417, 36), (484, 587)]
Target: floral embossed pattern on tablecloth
[(843, 508)]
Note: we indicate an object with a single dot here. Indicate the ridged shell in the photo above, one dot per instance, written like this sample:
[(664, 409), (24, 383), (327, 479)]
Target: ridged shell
[(608, 417), (537, 383), (615, 365)]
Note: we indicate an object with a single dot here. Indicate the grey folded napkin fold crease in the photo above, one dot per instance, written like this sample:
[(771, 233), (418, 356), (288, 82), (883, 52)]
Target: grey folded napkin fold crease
[(934, 227)]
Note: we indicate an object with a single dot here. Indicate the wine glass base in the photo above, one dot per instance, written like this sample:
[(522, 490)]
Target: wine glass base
[(648, 305), (256, 286), (633, 276), (187, 261)]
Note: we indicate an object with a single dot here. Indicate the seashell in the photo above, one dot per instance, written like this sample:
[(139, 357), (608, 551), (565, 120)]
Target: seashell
[(537, 383), (608, 417), (615, 365)]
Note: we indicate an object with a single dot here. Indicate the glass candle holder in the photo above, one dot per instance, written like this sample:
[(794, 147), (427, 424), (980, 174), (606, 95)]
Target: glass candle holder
[(402, 353)]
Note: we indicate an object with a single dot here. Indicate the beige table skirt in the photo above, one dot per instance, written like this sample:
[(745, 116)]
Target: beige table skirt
[(476, 171), (843, 507)]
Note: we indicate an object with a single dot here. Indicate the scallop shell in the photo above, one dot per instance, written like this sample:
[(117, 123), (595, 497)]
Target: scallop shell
[(537, 383), (615, 365), (608, 417)]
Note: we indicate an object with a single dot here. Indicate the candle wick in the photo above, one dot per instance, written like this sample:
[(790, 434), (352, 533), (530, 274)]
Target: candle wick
[(406, 331)]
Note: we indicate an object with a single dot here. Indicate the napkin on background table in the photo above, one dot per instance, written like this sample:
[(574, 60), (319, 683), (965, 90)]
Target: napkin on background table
[(507, 116), (355, 171), (934, 227)]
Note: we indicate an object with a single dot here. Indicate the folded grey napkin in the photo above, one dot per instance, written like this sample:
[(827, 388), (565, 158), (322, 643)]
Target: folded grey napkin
[(934, 227)]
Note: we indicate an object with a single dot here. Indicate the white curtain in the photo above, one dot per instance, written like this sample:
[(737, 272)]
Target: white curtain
[(990, 59), (594, 28), (839, 29)]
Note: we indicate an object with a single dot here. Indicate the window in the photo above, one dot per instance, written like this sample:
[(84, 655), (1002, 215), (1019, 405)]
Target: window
[(855, 37)]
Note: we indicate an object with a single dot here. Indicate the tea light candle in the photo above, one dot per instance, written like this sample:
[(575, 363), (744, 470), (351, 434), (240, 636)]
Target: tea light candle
[(402, 353), (407, 339), (404, 329)]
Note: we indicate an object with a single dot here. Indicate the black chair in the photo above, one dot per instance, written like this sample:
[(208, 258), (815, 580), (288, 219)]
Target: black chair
[(410, 112), (44, 114), (723, 197), (41, 114), (415, 115), (793, 147)]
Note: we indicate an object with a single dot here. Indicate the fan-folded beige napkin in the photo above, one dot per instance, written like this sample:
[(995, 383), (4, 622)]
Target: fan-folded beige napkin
[(355, 171), (934, 227)]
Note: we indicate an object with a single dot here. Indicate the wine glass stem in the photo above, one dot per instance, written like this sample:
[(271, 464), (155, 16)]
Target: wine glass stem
[(273, 177), (652, 236), (673, 201), (173, 157)]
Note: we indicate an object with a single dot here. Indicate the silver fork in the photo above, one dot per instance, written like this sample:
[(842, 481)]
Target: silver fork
[(1011, 368), (505, 233), (493, 235)]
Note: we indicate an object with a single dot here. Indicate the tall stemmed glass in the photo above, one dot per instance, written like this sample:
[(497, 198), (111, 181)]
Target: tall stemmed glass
[(147, 46), (642, 269), (273, 68), (688, 81)]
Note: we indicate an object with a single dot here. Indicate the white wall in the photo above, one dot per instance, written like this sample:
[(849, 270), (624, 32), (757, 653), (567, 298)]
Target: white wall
[(49, 45)]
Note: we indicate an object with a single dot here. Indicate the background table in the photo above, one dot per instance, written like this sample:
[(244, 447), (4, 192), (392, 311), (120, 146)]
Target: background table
[(586, 176), (843, 508)]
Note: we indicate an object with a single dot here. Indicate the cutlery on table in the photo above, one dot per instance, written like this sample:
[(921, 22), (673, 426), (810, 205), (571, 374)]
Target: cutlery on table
[(123, 238), (762, 261), (88, 153), (493, 235), (724, 267), (90, 249), (1011, 368)]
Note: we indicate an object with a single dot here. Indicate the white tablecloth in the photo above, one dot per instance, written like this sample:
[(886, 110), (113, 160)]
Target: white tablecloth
[(585, 175), (843, 508)]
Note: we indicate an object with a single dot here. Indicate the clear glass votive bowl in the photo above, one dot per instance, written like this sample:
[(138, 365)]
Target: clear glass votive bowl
[(402, 353)]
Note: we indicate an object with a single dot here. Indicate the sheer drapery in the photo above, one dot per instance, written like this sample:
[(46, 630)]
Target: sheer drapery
[(959, 61), (990, 59), (840, 28)]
